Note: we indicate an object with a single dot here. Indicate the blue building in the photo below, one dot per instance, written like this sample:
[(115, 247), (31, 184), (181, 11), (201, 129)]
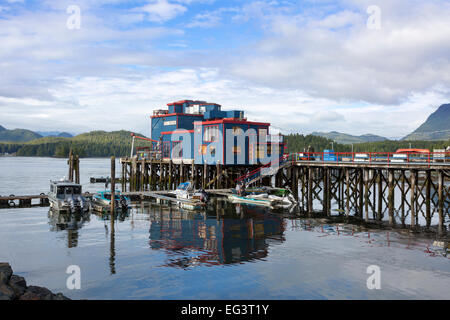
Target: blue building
[(201, 132)]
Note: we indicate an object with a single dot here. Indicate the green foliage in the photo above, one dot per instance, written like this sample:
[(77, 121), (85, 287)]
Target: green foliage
[(436, 127), (18, 135), (298, 142), (349, 139), (92, 144)]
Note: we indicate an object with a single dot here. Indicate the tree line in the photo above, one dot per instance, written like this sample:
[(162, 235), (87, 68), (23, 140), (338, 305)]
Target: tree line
[(299, 143)]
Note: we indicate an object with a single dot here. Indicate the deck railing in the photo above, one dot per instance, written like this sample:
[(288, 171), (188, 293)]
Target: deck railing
[(350, 157), (373, 157)]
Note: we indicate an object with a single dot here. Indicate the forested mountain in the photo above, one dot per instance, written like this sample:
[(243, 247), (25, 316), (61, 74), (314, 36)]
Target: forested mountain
[(92, 144), (55, 134), (298, 142), (348, 138), (436, 127), (17, 135)]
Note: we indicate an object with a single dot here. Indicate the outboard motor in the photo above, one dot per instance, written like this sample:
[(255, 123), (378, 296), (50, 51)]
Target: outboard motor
[(204, 196), (123, 203), (71, 202), (81, 202)]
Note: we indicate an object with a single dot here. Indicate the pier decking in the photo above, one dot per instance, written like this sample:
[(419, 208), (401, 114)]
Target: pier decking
[(364, 187)]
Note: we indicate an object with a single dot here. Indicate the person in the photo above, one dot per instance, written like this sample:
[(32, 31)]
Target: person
[(238, 188)]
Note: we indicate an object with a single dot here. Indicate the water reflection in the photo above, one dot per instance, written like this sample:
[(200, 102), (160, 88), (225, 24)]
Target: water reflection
[(222, 236), (71, 222)]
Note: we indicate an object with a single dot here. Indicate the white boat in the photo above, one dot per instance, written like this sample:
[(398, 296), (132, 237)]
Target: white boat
[(66, 196), (189, 198), (271, 197), (253, 199)]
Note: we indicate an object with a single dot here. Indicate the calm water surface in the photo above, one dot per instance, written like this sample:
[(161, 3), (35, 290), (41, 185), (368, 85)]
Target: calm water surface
[(229, 252)]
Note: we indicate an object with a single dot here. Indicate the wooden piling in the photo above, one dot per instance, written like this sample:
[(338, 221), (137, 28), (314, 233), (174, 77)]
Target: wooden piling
[(366, 193), (441, 201), (310, 190), (391, 191), (113, 188), (428, 199), (412, 178)]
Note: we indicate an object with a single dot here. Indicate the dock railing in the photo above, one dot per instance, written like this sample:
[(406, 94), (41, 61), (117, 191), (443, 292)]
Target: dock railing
[(373, 157)]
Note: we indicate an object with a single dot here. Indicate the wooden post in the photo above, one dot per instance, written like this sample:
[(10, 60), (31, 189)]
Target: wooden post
[(413, 198), (294, 182), (161, 174), (391, 196), (310, 190), (428, 199), (380, 195), (304, 188), (142, 184), (70, 165), (150, 175), (403, 198), (361, 191), (113, 188), (441, 201), (123, 181), (193, 175), (170, 175), (366, 193), (347, 191), (205, 175), (326, 192)]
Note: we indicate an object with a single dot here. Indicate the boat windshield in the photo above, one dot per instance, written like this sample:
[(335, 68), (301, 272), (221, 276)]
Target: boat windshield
[(184, 186), (107, 196), (68, 190)]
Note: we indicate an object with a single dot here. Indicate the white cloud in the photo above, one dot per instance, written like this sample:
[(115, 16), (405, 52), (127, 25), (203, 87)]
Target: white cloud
[(309, 71), (162, 10), (337, 57)]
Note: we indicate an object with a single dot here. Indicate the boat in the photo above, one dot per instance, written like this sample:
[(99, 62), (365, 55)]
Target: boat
[(264, 196), (189, 198), (259, 200), (101, 201), (66, 196)]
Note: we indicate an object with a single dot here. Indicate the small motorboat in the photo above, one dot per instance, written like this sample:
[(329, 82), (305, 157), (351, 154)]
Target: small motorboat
[(101, 201), (66, 196), (260, 200), (189, 198), (264, 196)]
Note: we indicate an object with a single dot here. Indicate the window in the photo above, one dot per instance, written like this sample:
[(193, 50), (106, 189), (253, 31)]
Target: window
[(262, 133), (237, 130), (166, 150), (170, 123), (261, 151), (213, 151), (202, 149), (211, 133), (236, 150), (177, 150)]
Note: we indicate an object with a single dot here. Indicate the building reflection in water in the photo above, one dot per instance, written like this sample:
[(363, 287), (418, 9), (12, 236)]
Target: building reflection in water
[(225, 234), (70, 222)]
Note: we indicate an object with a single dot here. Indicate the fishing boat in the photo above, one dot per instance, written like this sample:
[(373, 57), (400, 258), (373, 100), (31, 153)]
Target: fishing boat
[(189, 198), (259, 200), (264, 196), (66, 196), (101, 201)]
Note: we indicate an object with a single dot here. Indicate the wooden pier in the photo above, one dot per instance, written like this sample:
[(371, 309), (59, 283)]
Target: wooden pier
[(397, 193)]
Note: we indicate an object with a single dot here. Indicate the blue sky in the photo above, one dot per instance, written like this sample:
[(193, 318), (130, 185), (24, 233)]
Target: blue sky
[(305, 66)]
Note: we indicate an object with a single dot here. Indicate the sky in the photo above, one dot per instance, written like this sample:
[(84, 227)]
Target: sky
[(353, 66)]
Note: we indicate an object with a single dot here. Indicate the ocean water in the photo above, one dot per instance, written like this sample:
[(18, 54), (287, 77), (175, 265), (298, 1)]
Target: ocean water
[(227, 252)]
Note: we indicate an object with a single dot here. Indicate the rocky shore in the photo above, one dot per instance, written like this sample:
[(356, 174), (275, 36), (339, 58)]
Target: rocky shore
[(14, 287)]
